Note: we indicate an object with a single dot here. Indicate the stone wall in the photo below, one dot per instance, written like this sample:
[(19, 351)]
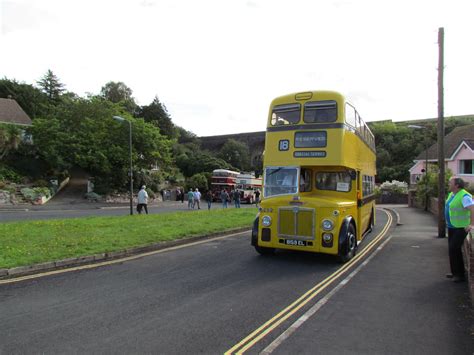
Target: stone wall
[(389, 198), (469, 264), (5, 198)]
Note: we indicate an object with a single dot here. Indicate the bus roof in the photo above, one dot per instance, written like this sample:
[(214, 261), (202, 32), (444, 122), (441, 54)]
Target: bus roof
[(225, 172), (308, 95)]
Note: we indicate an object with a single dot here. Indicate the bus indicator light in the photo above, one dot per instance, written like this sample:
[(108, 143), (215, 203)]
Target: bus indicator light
[(327, 225)]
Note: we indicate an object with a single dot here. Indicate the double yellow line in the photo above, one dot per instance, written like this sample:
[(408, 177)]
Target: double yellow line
[(254, 337)]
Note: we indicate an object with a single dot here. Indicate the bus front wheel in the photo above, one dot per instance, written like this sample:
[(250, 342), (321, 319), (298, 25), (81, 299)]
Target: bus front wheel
[(264, 251), (351, 245)]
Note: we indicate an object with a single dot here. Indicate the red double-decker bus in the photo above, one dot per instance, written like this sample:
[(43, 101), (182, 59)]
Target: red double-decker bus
[(230, 180), (223, 179)]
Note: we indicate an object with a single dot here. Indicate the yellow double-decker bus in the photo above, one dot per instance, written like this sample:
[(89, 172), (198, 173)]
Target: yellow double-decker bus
[(319, 168)]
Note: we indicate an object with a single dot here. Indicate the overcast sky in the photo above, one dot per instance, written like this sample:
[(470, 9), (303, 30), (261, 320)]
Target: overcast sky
[(217, 64)]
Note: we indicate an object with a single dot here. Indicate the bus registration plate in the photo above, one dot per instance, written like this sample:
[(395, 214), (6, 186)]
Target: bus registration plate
[(299, 243)]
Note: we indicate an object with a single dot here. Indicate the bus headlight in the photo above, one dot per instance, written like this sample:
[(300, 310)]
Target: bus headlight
[(327, 238), (327, 224), (266, 221)]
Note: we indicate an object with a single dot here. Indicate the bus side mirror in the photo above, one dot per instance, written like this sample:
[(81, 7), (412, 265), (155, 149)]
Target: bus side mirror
[(353, 174)]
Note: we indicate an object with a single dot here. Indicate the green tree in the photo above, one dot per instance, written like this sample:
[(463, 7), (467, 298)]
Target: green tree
[(157, 114), (191, 160), (82, 133), (119, 93), (397, 146), (236, 154), (51, 86), (32, 100), (10, 137), (185, 136), (199, 181)]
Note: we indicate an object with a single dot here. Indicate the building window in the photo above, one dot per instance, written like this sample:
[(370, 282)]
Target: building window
[(466, 167), (415, 178)]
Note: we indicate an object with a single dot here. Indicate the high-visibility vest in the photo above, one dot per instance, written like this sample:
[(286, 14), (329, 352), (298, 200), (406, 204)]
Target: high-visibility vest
[(458, 215)]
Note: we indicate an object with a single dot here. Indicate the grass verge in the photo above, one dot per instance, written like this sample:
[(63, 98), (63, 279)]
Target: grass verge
[(32, 242)]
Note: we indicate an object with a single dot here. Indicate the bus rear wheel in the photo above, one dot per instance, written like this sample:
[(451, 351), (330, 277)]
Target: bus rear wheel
[(264, 251), (372, 222), (350, 251)]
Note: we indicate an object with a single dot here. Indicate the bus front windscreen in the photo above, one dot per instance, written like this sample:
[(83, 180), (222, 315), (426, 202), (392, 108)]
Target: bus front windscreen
[(280, 181)]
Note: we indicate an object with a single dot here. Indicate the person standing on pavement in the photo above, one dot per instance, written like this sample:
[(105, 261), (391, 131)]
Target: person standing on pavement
[(257, 197), (190, 199), (236, 197), (197, 198), (459, 213), (209, 199), (224, 198), (142, 200)]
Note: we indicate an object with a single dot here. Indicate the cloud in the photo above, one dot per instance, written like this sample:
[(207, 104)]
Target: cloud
[(20, 16), (148, 3)]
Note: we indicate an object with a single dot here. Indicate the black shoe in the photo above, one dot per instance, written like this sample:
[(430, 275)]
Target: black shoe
[(449, 276), (459, 279)]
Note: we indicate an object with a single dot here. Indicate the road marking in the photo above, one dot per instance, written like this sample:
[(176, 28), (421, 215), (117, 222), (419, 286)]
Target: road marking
[(254, 337), (312, 311), (15, 210), (116, 261)]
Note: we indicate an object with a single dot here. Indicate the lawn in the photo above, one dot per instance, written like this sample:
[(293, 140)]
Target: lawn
[(31, 242)]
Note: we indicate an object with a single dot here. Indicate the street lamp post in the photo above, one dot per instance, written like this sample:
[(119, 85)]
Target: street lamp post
[(121, 119), (426, 165)]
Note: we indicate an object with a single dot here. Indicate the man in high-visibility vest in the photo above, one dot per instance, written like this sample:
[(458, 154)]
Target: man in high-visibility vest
[(459, 212)]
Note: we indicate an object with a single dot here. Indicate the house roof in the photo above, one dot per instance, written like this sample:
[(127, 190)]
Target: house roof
[(452, 141), (11, 112)]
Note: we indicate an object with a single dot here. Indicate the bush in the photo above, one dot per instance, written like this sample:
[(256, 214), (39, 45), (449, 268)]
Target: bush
[(9, 175), (92, 196), (428, 186), (41, 183), (150, 192), (35, 193), (395, 187)]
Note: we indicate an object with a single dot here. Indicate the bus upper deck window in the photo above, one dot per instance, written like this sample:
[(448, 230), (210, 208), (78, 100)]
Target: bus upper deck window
[(320, 111), (286, 114)]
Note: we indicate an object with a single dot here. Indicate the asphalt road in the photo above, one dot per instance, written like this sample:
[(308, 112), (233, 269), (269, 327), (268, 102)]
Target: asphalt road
[(206, 298), (198, 299)]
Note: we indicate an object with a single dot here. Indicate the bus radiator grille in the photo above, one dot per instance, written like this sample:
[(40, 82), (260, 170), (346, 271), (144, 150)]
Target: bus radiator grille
[(296, 223)]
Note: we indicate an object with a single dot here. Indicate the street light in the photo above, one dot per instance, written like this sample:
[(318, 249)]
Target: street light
[(121, 119), (426, 164)]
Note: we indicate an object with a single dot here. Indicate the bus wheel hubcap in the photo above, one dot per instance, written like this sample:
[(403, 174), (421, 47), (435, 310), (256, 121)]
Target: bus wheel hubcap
[(351, 242)]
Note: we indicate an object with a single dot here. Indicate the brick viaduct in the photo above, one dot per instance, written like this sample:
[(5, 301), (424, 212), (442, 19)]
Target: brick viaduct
[(254, 140)]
